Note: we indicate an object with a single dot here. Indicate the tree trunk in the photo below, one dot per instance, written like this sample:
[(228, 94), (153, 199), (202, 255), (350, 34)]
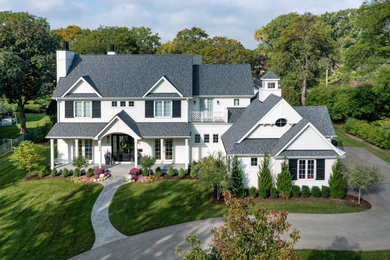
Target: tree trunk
[(217, 194), (303, 91), (23, 127), (29, 173), (359, 196)]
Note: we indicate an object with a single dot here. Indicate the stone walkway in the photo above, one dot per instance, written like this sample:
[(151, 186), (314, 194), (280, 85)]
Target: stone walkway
[(368, 230)]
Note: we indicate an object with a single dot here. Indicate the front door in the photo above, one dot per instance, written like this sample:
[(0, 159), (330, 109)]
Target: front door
[(122, 148)]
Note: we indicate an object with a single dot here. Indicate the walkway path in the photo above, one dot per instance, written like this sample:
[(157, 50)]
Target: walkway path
[(367, 230)]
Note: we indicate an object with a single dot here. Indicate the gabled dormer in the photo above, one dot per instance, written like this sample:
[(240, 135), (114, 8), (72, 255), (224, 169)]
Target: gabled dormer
[(270, 85)]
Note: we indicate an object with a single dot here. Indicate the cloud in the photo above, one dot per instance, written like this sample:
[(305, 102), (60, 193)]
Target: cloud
[(235, 19)]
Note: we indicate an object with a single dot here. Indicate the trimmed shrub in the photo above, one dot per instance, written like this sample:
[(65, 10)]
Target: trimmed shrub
[(89, 172), (80, 162), (263, 193), (53, 173), (145, 172), (181, 173), (236, 179), (42, 173), (147, 162), (325, 191), (274, 193), (47, 169), (252, 192), (316, 192), (76, 172), (305, 191), (283, 181), (336, 181), (264, 175), (65, 172), (296, 191), (193, 169), (171, 171), (158, 172)]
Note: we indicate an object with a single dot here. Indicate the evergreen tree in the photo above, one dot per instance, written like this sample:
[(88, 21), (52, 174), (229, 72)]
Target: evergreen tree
[(236, 177), (336, 181), (264, 175), (283, 182)]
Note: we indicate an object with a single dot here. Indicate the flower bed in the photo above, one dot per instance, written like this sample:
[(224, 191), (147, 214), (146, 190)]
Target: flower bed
[(135, 176), (82, 179)]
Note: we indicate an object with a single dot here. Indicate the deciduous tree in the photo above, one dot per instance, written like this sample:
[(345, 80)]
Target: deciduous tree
[(27, 156)]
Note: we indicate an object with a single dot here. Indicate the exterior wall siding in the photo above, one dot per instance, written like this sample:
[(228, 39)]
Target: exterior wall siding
[(309, 140)]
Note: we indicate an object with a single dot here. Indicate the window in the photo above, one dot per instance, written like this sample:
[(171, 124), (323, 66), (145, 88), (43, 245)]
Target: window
[(197, 138), (163, 108), (281, 122), (157, 149), (85, 148), (271, 84), (82, 108), (236, 102), (114, 104), (168, 149), (206, 138), (253, 161), (123, 103), (131, 103), (215, 138), (306, 169), (206, 104)]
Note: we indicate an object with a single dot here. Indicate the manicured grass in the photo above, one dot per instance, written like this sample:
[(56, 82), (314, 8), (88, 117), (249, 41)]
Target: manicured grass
[(140, 207), (44, 219), (33, 121), (344, 140), (335, 255)]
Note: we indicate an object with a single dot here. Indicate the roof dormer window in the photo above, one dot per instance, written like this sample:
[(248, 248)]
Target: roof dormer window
[(271, 84), (281, 122)]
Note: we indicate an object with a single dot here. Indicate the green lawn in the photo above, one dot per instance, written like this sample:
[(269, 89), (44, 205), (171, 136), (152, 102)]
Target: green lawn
[(44, 219), (33, 120), (346, 141), (140, 207), (335, 255)]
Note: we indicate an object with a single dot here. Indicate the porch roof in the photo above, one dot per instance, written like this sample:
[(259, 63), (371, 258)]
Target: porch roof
[(73, 130)]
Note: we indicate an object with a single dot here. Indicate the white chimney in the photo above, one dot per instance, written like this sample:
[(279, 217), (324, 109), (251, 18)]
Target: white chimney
[(112, 50), (64, 60)]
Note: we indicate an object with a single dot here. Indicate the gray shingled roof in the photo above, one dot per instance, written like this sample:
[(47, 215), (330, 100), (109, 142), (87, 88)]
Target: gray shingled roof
[(257, 83), (84, 130), (319, 117), (129, 75), (254, 146), (129, 121), (222, 80), (252, 114), (311, 153), (164, 129), (270, 75), (158, 95), (234, 113), (81, 95)]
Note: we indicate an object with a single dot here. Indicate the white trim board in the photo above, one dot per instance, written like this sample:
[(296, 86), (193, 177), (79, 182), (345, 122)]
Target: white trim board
[(76, 83)]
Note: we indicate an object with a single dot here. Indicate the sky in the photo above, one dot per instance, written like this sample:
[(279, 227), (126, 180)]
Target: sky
[(236, 19)]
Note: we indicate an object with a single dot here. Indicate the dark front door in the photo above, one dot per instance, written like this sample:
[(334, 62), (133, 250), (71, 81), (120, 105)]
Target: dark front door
[(122, 148)]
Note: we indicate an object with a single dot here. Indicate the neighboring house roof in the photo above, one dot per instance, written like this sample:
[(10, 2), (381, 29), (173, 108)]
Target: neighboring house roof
[(222, 80), (270, 75), (234, 113), (257, 83), (159, 129), (84, 130), (319, 117), (310, 153), (129, 75)]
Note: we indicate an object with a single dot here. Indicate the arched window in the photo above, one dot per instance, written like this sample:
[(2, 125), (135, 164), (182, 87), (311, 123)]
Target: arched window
[(281, 122)]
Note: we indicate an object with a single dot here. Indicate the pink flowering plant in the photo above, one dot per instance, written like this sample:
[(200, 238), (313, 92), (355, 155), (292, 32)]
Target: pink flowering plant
[(96, 176), (99, 171), (134, 171)]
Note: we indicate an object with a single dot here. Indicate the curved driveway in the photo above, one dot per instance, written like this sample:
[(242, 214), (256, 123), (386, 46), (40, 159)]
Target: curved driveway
[(369, 230)]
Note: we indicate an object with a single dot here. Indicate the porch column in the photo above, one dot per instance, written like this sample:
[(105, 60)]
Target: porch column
[(52, 154), (76, 147), (187, 154), (162, 152), (100, 153), (135, 153)]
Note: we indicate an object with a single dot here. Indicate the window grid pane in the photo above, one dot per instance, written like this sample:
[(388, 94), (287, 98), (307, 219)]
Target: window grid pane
[(157, 149), (215, 138), (310, 169), (114, 104), (167, 108), (197, 138), (302, 169), (158, 108), (123, 103), (253, 161), (78, 109), (236, 102), (206, 138), (87, 108), (88, 149), (131, 103), (168, 149), (271, 85)]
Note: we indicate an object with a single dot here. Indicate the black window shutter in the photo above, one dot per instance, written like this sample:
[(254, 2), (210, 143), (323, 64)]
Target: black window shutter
[(68, 109), (320, 169), (96, 109), (292, 165), (176, 108), (149, 109)]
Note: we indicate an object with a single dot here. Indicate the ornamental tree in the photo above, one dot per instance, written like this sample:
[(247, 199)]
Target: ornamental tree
[(264, 175), (247, 234), (27, 156), (362, 177), (147, 162), (80, 162), (283, 181), (236, 179), (336, 181)]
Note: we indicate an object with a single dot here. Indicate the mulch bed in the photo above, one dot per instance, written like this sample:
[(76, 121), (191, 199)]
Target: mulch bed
[(349, 200), (175, 177)]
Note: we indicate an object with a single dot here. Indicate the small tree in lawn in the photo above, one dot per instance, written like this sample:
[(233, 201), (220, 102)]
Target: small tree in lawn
[(236, 179), (27, 156), (80, 162), (283, 181), (147, 162), (264, 175), (362, 177), (212, 174), (247, 234), (336, 181)]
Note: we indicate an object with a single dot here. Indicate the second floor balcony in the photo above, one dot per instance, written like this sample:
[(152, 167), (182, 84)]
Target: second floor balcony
[(208, 116)]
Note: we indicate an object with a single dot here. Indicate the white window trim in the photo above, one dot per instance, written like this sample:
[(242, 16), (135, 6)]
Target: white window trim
[(162, 108), (238, 102), (306, 169), (82, 146), (82, 109)]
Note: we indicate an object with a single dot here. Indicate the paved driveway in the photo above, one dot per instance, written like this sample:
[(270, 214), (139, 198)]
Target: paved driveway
[(369, 230)]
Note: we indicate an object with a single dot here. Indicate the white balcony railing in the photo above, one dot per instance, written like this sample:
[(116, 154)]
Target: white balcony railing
[(206, 116)]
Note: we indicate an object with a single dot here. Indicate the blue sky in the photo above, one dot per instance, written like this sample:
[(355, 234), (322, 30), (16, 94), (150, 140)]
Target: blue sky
[(235, 19)]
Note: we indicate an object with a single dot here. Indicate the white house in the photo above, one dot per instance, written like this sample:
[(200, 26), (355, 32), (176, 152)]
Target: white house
[(177, 109)]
